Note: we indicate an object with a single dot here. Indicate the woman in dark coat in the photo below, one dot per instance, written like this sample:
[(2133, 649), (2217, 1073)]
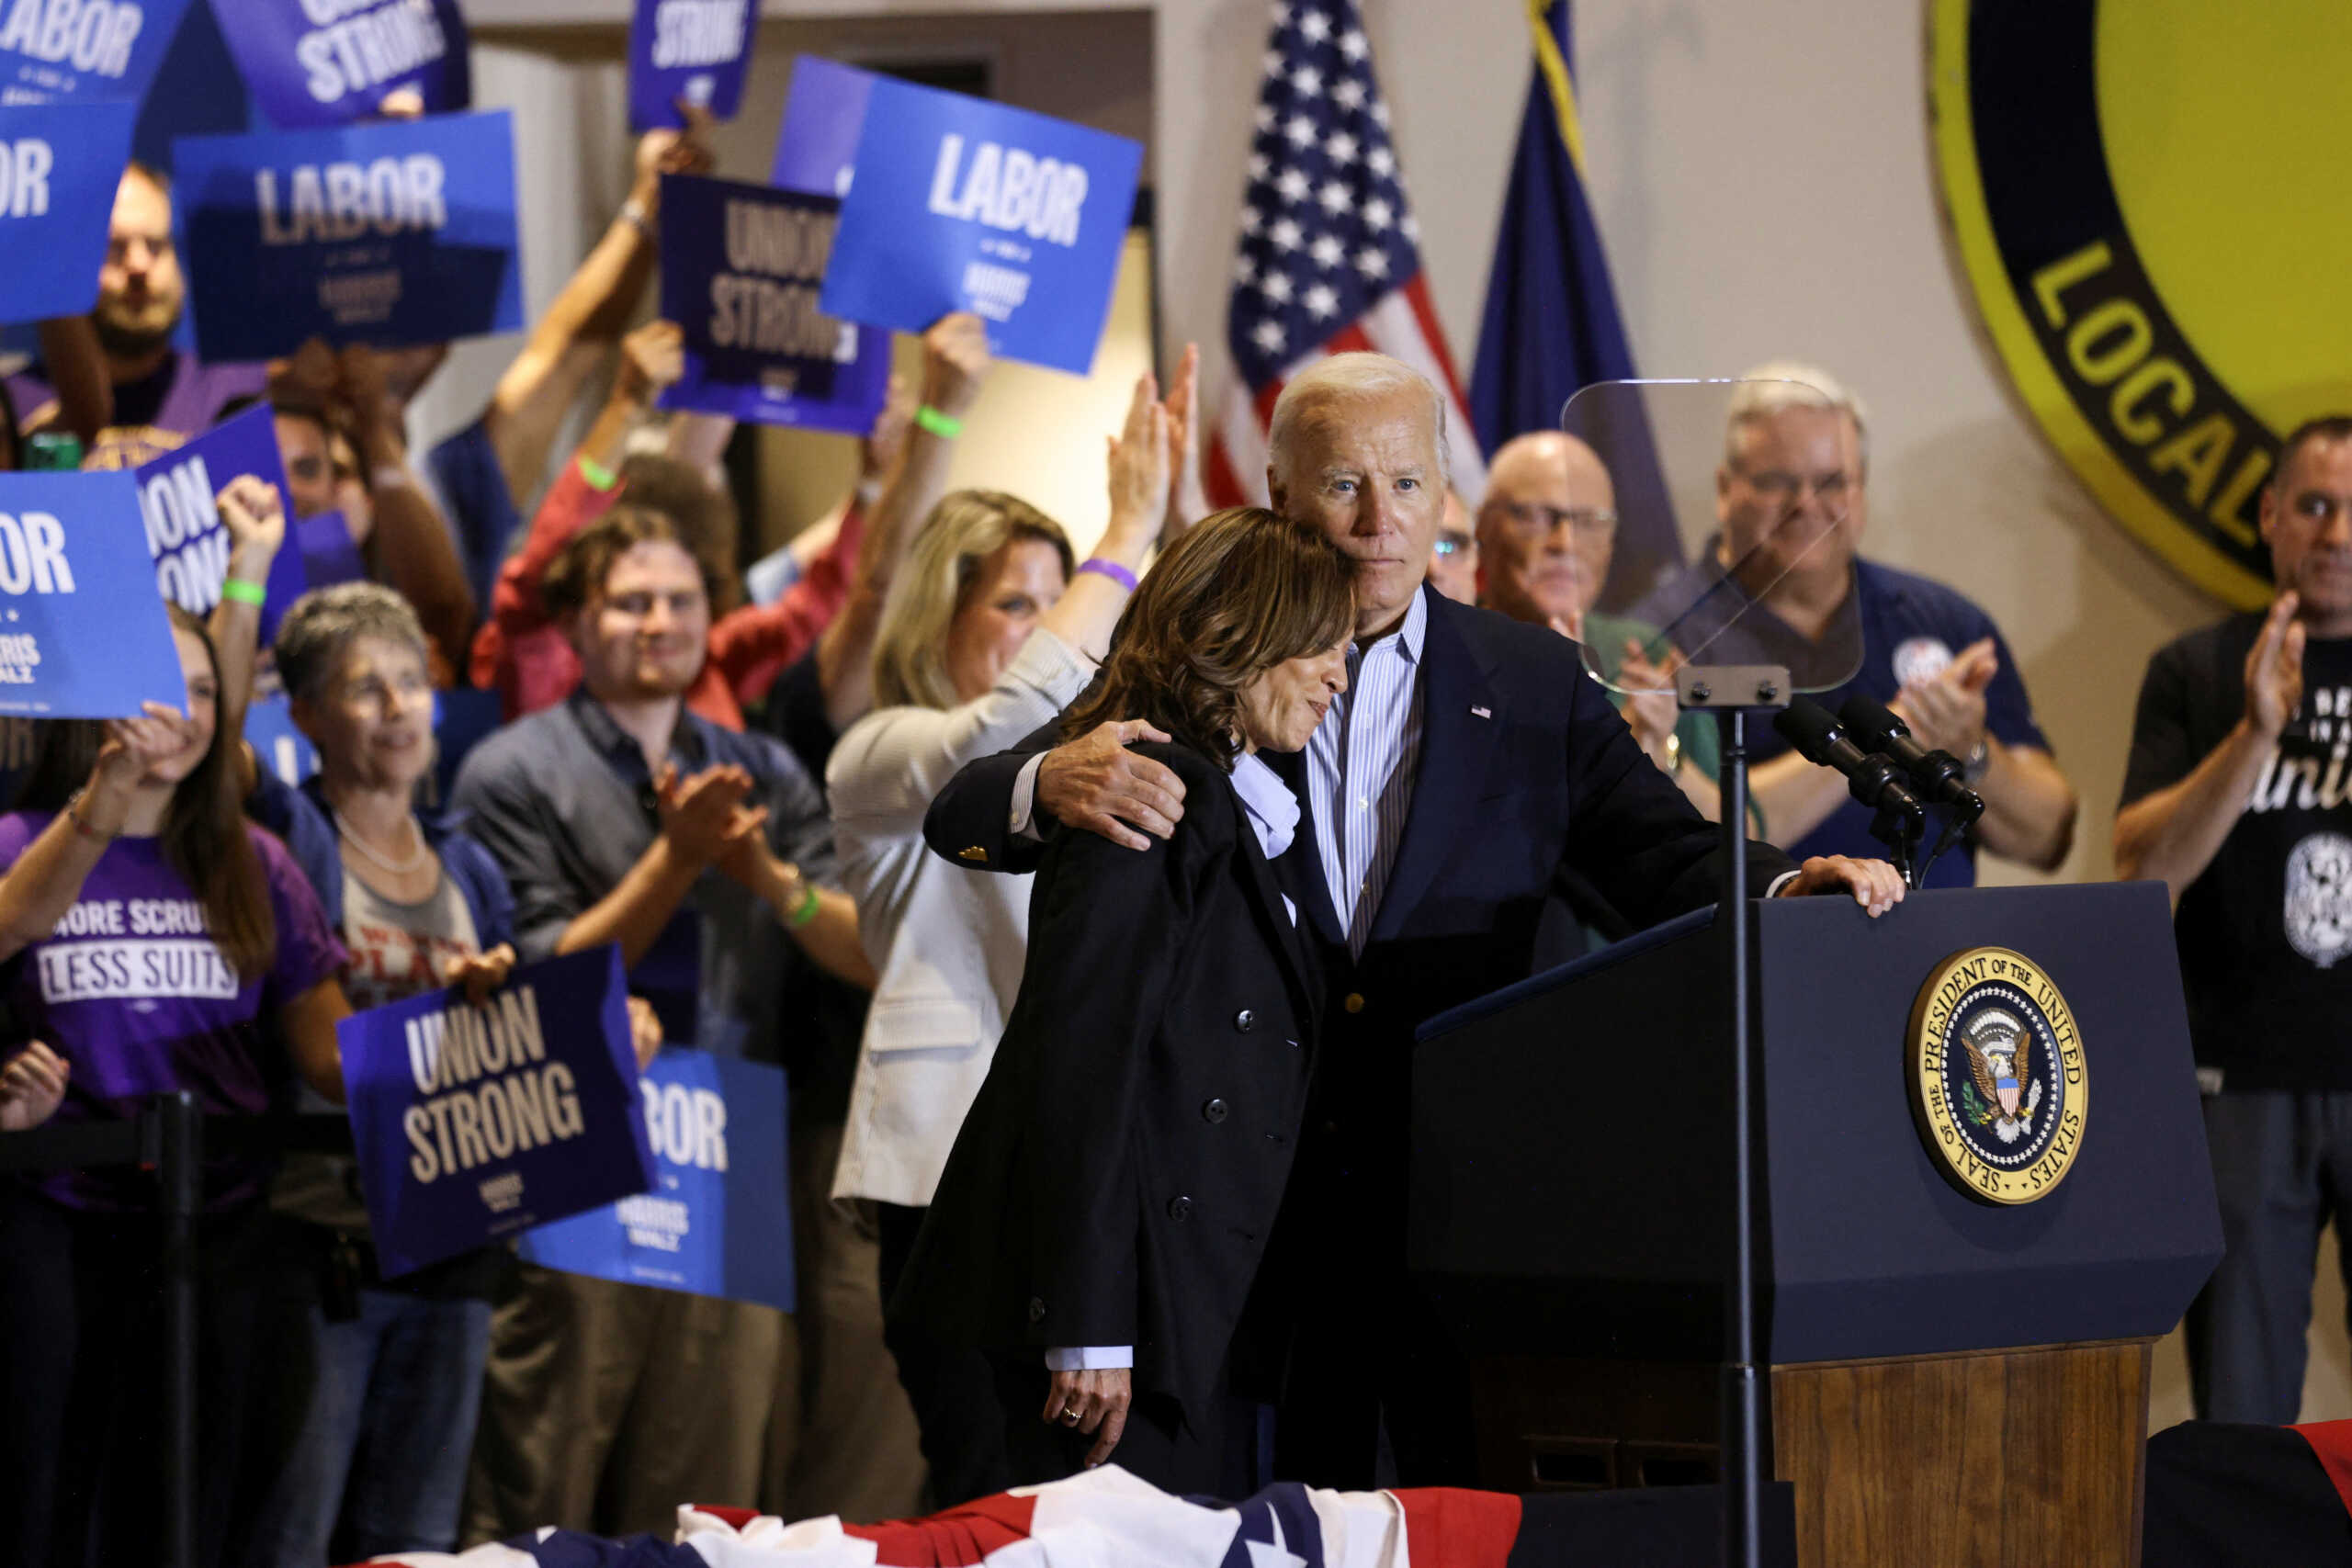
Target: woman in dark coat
[(1102, 1225)]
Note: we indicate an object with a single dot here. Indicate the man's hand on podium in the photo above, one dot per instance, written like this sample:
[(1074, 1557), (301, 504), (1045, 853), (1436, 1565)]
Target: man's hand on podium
[(1874, 885)]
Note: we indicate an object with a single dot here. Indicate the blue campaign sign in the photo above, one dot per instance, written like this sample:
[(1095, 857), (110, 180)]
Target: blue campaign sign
[(84, 50), (82, 634), (964, 205), (740, 268), (393, 234), (471, 1123), (282, 749), (331, 62), (687, 50), (717, 1221), (59, 165), (324, 543), (824, 113), (184, 530)]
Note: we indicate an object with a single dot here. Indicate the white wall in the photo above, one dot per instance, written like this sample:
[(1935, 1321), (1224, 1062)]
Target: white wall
[(1764, 186)]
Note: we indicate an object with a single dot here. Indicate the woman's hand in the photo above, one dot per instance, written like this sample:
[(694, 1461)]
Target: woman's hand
[(1141, 471), (32, 1086), (480, 974), (1093, 1402), (254, 514), (1188, 500), (133, 746), (644, 1031)]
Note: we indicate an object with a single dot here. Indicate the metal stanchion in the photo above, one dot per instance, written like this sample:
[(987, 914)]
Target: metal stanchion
[(179, 1173)]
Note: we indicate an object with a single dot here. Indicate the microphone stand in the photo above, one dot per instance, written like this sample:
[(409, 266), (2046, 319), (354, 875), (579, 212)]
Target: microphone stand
[(1731, 692)]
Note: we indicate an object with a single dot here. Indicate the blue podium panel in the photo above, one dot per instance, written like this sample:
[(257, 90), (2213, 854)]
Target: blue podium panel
[(1571, 1182)]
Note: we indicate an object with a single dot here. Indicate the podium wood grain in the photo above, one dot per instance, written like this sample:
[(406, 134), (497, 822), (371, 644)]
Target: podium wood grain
[(1973, 1461)]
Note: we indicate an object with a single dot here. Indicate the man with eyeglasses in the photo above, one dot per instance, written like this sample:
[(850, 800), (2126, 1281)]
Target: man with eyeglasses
[(1547, 532), (1783, 583), (2238, 797)]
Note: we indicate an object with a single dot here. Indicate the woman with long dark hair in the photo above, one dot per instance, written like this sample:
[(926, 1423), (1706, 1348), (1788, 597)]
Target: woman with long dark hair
[(156, 942), (1101, 1223)]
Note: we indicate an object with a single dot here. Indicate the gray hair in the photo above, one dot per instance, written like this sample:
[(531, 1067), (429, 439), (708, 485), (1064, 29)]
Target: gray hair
[(1354, 375), (323, 623), (1781, 384)]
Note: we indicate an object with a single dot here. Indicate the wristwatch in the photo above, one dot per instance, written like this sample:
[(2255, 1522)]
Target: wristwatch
[(1980, 762)]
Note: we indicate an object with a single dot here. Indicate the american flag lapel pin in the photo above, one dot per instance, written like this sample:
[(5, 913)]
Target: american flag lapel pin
[(1482, 712)]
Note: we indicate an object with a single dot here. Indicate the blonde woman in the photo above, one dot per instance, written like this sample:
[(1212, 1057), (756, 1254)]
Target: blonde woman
[(989, 632)]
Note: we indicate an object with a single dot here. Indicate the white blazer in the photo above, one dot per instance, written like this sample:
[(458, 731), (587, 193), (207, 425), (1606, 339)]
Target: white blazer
[(947, 943)]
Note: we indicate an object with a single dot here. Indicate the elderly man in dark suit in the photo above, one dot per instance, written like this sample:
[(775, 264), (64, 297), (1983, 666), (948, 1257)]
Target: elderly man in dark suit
[(1470, 763)]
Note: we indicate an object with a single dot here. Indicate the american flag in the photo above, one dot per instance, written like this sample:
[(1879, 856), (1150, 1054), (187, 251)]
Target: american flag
[(1327, 261)]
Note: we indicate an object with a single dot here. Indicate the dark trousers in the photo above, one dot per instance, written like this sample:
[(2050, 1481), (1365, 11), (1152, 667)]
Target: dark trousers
[(1378, 1398), (2282, 1169), (952, 1388), (81, 1363)]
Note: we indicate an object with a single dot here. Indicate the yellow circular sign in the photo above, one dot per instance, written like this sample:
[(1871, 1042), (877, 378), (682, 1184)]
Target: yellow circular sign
[(2146, 199), (1998, 1083)]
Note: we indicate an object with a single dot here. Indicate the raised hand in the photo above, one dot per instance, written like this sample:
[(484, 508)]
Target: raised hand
[(254, 514), (653, 358), (2274, 669), (1095, 783), (955, 363), (878, 452), (670, 151), (1188, 500), (699, 812), (32, 1086), (1141, 465)]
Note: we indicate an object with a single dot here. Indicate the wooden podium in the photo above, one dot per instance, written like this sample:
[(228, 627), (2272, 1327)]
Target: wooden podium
[(1954, 1381)]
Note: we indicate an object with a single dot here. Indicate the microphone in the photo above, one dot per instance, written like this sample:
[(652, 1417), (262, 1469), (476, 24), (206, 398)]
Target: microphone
[(1939, 774), (1813, 731)]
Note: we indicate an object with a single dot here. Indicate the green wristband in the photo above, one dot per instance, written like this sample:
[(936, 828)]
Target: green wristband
[(938, 424), (238, 589), (808, 910)]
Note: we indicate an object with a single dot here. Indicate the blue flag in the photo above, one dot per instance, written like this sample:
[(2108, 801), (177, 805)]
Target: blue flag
[(391, 233), (185, 533), (695, 50), (82, 634), (717, 1219), (1551, 324), (331, 62), (59, 165), (960, 204), (740, 268), (475, 1122), (82, 49)]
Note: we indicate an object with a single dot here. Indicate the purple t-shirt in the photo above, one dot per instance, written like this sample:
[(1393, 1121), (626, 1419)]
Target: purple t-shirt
[(160, 412), (131, 990)]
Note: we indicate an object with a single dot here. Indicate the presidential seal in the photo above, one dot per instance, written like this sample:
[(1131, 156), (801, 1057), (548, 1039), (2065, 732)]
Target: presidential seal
[(1997, 1080)]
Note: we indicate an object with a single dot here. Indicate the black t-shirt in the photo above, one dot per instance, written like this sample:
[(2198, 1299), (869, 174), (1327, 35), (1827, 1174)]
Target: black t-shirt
[(2266, 932)]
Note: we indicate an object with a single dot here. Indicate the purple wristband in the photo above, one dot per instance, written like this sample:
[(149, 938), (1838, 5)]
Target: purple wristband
[(1111, 570)]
